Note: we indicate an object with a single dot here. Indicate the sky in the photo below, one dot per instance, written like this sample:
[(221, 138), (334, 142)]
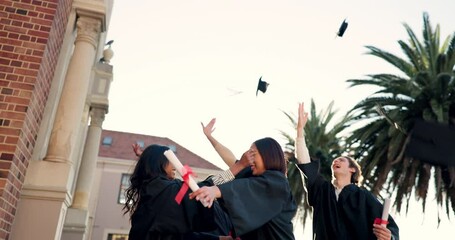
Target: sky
[(178, 63)]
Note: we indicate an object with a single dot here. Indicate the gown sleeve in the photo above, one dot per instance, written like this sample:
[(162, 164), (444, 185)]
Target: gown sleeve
[(313, 180), (393, 227), (252, 202)]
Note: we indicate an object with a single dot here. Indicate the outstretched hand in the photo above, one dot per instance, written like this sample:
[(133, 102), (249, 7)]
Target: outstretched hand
[(207, 194), (137, 149), (209, 128)]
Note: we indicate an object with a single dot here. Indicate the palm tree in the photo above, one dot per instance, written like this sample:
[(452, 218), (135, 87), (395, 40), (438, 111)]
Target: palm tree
[(323, 142), (425, 90)]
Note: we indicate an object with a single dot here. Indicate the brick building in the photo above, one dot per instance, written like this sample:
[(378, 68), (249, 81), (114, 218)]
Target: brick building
[(56, 162), (53, 97)]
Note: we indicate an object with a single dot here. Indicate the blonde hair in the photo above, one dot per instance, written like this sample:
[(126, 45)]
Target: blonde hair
[(356, 177)]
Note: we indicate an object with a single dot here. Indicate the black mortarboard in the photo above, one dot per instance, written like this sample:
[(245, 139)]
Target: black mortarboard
[(433, 143), (342, 29), (262, 86)]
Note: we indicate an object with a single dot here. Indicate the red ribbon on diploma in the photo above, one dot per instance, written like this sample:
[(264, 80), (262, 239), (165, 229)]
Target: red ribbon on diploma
[(380, 221), (187, 171)]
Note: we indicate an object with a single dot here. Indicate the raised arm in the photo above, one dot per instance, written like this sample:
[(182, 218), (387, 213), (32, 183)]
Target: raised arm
[(137, 149), (301, 149), (224, 152)]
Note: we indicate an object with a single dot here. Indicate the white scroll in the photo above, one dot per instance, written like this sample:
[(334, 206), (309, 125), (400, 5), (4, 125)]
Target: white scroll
[(385, 211), (179, 167)]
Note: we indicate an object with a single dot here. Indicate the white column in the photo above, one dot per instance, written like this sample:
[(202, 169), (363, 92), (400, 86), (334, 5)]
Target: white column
[(47, 186), (70, 108), (77, 225), (76, 222), (88, 164)]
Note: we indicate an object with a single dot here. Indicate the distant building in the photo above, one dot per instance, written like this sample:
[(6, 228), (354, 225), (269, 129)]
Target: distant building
[(115, 163)]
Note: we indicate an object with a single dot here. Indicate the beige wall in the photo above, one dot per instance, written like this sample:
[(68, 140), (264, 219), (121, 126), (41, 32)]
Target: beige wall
[(109, 211)]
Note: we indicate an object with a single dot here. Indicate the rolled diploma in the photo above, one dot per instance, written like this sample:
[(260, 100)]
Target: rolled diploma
[(385, 210), (179, 167)]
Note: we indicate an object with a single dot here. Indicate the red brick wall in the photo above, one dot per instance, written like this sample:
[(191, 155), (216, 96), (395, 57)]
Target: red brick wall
[(31, 35)]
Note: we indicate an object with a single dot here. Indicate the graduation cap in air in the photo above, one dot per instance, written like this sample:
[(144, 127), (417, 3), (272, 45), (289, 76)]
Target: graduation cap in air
[(342, 29), (433, 143), (262, 86)]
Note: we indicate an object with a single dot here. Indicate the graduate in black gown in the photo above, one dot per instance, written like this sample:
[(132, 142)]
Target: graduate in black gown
[(150, 201), (259, 200), (341, 209)]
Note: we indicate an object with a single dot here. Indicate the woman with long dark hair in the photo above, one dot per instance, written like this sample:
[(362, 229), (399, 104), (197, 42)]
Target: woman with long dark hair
[(154, 213)]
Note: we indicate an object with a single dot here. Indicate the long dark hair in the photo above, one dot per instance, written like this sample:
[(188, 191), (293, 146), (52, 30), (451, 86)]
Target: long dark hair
[(272, 154), (151, 164)]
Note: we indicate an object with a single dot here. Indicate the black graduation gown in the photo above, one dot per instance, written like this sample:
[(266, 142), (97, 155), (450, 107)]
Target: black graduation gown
[(349, 218), (260, 207), (159, 217)]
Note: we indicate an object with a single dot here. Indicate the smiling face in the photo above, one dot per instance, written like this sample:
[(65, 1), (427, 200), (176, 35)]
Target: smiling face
[(256, 161), (341, 168), (170, 171)]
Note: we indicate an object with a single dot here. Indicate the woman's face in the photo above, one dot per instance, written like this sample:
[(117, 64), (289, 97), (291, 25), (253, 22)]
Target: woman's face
[(170, 171), (256, 163)]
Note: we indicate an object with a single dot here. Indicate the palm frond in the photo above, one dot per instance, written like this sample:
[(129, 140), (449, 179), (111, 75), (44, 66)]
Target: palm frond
[(386, 117), (399, 63)]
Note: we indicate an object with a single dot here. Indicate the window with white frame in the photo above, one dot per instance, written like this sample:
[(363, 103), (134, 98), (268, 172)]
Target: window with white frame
[(124, 184)]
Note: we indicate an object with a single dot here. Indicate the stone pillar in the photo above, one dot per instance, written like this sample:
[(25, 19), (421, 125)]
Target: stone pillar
[(77, 217), (47, 192), (70, 108), (77, 225), (88, 164)]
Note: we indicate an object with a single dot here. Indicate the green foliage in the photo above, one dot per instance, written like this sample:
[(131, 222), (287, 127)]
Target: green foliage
[(425, 89)]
